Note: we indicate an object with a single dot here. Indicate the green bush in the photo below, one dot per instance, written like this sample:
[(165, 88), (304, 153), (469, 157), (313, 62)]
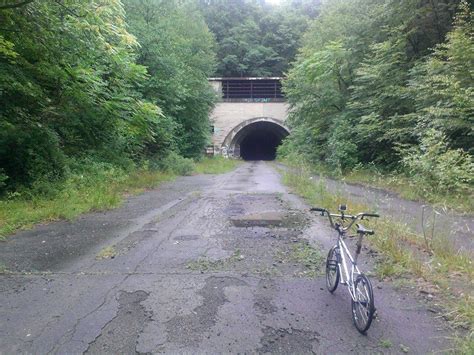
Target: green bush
[(29, 153), (87, 171), (342, 152), (437, 167), (3, 179), (174, 163)]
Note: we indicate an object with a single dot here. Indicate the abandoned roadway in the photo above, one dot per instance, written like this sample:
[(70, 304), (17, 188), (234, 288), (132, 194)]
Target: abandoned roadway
[(205, 264)]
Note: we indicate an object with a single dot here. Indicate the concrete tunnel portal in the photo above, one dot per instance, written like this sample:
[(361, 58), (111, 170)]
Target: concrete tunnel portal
[(257, 140), (248, 121)]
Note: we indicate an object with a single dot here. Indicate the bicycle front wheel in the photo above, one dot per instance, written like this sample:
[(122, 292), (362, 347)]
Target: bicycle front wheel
[(332, 269), (363, 308)]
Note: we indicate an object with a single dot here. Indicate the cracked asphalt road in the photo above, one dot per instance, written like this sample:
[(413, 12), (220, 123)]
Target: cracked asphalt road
[(205, 264)]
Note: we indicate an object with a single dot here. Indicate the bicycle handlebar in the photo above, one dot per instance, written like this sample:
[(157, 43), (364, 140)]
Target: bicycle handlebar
[(343, 216)]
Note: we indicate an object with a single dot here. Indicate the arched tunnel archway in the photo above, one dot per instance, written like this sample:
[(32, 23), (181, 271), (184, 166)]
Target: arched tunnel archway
[(258, 140)]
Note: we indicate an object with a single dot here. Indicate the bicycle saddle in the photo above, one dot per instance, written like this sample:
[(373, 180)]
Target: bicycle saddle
[(362, 230)]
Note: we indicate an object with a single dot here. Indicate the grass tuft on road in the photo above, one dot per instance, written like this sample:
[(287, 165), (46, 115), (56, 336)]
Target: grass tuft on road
[(204, 264), (216, 165), (107, 253), (309, 257), (434, 265)]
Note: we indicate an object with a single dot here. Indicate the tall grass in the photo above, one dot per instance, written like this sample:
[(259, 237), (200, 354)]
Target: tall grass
[(92, 191)]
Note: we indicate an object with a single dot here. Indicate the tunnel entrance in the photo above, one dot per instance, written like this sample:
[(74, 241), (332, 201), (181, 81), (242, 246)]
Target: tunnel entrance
[(258, 140), (259, 145)]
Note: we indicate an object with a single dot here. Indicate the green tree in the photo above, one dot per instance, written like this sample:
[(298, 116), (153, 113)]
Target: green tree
[(178, 51), (254, 38), (380, 104), (318, 86), (443, 86), (68, 82), (365, 81)]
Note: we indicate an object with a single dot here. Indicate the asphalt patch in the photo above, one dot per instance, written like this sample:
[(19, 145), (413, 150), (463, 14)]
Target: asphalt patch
[(287, 341), (120, 335), (189, 329), (262, 219)]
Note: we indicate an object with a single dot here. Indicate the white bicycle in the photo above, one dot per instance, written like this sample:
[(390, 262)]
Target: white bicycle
[(337, 270)]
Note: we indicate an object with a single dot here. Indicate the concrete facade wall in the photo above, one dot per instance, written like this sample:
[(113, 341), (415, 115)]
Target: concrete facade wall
[(228, 115)]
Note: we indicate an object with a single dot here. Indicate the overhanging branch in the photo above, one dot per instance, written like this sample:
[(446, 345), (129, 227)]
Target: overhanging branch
[(15, 5)]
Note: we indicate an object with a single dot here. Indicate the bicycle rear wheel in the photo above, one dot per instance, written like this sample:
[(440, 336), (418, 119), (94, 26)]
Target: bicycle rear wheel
[(332, 269), (363, 308)]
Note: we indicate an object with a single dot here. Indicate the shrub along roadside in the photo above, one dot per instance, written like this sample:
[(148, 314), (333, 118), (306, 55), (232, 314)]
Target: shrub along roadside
[(404, 256)]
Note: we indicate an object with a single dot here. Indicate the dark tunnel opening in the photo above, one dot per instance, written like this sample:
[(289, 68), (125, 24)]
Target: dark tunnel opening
[(260, 141)]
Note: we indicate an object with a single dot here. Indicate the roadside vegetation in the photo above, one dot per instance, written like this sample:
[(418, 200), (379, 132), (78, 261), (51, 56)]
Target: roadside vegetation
[(382, 93), (98, 100), (216, 165), (406, 187), (103, 187), (103, 86), (431, 263), (397, 182), (95, 187)]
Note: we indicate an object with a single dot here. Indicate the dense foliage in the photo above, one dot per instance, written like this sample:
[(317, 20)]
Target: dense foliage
[(387, 83), (104, 85), (77, 88), (255, 38), (178, 50)]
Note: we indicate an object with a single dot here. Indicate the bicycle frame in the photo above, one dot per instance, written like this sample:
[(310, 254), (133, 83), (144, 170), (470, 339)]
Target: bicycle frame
[(347, 278)]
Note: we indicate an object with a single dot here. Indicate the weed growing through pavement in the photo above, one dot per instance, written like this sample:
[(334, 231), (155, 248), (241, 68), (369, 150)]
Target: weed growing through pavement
[(3, 268), (107, 253), (304, 255), (206, 264), (309, 257), (385, 343)]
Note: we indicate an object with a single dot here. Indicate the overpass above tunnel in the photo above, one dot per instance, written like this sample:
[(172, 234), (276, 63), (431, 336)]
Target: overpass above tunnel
[(249, 120)]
